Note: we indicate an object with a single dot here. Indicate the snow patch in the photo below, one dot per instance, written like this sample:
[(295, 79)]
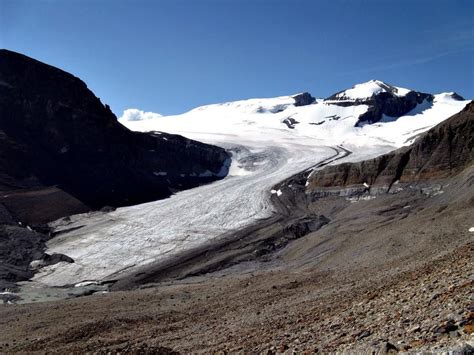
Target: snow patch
[(86, 283), (361, 198), (277, 192)]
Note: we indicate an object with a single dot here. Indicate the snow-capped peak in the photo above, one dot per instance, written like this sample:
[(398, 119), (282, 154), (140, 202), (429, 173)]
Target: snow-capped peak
[(368, 89)]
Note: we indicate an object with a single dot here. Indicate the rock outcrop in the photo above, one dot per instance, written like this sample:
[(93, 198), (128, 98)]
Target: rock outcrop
[(443, 151), (391, 105), (303, 99)]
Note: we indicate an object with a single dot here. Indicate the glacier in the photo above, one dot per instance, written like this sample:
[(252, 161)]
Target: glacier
[(264, 150)]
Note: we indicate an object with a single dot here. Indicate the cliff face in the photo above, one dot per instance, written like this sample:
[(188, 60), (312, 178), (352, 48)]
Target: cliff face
[(55, 131), (443, 151)]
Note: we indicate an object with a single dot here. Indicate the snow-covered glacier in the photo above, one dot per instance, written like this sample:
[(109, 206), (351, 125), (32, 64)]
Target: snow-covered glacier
[(270, 140)]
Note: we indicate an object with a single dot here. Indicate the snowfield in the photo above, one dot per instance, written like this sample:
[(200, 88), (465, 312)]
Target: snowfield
[(265, 149)]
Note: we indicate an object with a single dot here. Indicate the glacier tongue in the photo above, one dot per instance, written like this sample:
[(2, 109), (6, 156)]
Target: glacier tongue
[(265, 151)]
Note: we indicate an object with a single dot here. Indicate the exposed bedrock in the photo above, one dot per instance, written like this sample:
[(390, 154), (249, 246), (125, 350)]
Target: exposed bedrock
[(391, 105), (20, 250), (304, 99)]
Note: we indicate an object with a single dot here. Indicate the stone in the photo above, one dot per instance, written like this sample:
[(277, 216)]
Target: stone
[(446, 327), (388, 348), (468, 328), (364, 334)]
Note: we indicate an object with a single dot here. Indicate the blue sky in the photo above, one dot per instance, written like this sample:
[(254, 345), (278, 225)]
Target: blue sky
[(171, 56)]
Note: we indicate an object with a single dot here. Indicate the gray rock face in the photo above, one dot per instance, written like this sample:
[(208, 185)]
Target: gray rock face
[(304, 226)]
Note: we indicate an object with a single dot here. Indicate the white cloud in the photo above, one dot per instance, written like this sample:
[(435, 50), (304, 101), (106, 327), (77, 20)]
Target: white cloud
[(133, 114)]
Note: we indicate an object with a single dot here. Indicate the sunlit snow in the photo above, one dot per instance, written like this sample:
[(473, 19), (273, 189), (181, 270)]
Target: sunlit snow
[(370, 88)]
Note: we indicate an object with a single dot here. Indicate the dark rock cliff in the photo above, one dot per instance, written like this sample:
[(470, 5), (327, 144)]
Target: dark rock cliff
[(55, 131), (443, 151)]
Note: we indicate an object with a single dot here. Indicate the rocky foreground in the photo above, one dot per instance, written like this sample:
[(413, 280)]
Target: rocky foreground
[(429, 307)]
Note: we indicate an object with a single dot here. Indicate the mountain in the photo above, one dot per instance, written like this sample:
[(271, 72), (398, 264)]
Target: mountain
[(55, 132)]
